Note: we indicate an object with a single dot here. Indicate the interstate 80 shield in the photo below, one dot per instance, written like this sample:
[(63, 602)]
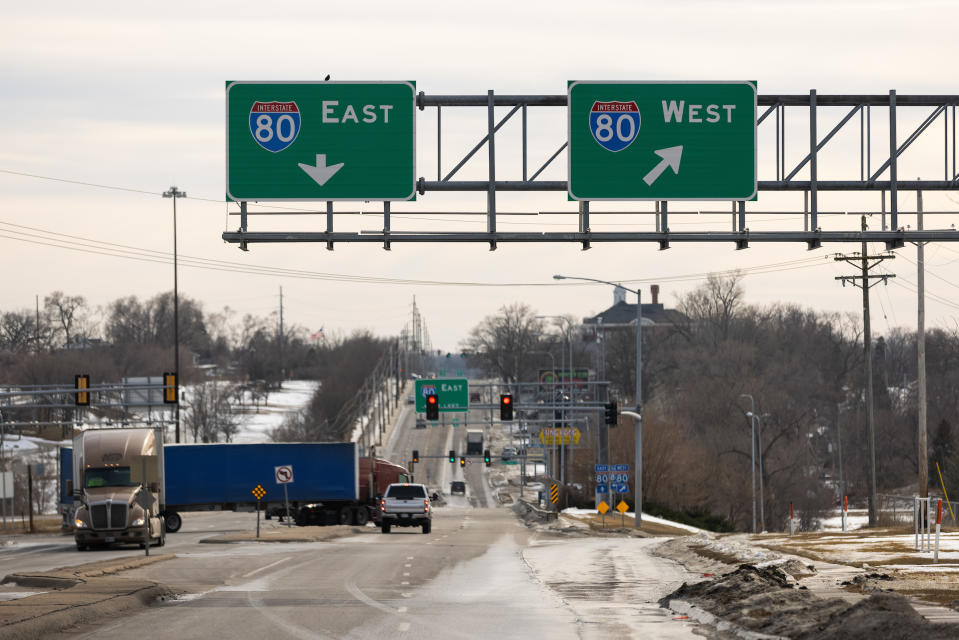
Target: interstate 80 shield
[(274, 125), (614, 125)]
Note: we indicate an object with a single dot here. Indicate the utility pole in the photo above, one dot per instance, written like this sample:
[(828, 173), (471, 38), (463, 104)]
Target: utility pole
[(921, 349), (867, 262)]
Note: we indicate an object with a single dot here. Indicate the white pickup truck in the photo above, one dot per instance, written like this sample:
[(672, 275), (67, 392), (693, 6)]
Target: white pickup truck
[(406, 505)]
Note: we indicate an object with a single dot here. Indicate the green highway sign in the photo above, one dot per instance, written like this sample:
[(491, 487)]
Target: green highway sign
[(452, 393), (662, 140), (320, 140)]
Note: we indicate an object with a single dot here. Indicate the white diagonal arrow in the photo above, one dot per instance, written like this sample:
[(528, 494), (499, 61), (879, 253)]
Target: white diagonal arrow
[(321, 173), (670, 158)]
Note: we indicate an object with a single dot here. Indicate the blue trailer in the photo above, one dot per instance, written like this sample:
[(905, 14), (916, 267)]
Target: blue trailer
[(329, 477), (208, 477)]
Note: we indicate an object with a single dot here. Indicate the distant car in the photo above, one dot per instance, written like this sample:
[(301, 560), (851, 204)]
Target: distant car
[(475, 396), (457, 486), (420, 423), (410, 399), (509, 453)]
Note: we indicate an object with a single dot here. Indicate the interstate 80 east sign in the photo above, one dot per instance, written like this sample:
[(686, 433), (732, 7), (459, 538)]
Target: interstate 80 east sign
[(320, 140)]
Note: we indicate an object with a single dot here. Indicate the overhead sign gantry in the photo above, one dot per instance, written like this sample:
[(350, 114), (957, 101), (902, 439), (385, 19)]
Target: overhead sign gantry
[(656, 141)]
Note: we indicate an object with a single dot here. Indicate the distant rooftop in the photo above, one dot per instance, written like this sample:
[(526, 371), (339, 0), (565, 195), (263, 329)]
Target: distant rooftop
[(623, 314)]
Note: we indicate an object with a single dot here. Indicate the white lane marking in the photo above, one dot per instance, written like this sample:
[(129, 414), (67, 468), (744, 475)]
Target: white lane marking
[(404, 626), (406, 574), (406, 594), (272, 564), (407, 565), (409, 557), (405, 582), (402, 610)]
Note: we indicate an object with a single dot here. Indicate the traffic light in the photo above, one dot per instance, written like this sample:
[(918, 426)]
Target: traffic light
[(169, 388), (506, 407), (612, 413), (432, 408), (81, 398), (416, 455), (486, 457), (462, 461), (452, 457)]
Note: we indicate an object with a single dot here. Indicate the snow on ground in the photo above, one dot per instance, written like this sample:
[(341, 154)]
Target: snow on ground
[(629, 514), (257, 424), (855, 519), (887, 551)]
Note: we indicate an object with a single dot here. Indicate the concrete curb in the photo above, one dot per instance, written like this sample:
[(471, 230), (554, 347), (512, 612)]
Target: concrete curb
[(81, 594), (64, 616), (40, 582), (255, 539)]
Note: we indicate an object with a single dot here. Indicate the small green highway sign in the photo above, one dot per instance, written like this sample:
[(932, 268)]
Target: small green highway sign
[(662, 140), (452, 393), (320, 140)]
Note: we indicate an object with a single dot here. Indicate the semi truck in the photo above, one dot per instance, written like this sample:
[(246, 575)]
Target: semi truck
[(474, 442), (330, 483), (117, 484)]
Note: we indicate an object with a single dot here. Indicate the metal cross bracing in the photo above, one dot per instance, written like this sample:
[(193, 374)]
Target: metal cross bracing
[(879, 154), (110, 399)]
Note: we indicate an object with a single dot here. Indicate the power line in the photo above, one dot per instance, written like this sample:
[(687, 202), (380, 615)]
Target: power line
[(82, 244)]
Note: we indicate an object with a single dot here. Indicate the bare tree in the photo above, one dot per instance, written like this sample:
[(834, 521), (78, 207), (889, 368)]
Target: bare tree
[(505, 342), (209, 415), (64, 313)]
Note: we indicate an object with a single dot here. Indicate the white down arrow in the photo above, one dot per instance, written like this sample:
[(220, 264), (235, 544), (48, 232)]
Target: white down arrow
[(321, 173)]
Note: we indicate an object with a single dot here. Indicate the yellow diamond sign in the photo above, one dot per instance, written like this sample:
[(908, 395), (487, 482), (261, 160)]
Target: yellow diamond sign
[(602, 507), (258, 492), (622, 507)]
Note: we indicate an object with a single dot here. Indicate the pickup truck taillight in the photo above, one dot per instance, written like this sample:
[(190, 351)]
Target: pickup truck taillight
[(426, 505), (382, 505)]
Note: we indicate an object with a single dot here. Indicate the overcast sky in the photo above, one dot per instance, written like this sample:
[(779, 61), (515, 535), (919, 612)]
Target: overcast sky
[(118, 95)]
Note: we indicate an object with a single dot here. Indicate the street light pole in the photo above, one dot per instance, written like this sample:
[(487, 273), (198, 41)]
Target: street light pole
[(762, 493), (638, 414), (752, 445), (175, 193)]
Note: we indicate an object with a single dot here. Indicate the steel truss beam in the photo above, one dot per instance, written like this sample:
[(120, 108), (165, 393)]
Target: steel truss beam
[(942, 105)]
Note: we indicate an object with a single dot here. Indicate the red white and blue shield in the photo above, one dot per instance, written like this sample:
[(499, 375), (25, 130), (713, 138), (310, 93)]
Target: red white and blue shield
[(274, 125), (614, 125)]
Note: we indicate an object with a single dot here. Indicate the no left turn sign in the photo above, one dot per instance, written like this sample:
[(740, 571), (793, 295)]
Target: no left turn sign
[(284, 474)]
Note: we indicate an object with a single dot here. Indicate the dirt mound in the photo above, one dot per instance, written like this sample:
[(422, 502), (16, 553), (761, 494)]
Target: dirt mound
[(767, 600), (883, 615)]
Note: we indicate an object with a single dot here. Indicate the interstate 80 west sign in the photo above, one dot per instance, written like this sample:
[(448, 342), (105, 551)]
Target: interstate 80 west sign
[(662, 140), (320, 140)]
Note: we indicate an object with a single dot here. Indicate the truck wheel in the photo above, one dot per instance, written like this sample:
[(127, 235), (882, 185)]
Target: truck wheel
[(385, 527), (344, 515), (361, 516), (426, 526), (81, 547), (173, 521)]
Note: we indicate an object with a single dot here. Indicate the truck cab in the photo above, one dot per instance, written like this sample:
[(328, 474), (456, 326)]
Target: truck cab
[(406, 505), (117, 483)]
